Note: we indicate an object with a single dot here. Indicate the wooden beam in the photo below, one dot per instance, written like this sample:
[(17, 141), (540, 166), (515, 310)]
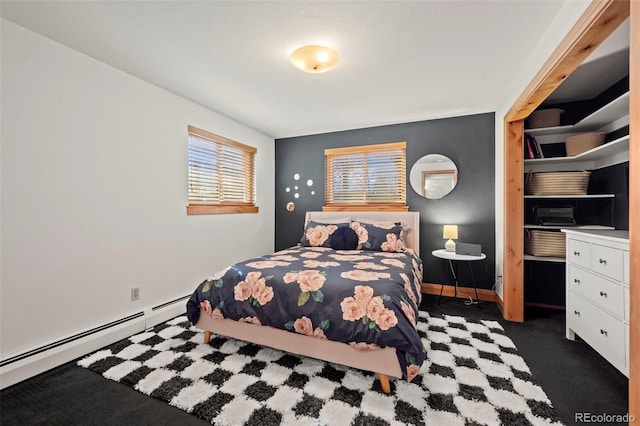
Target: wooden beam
[(634, 210), (513, 263), (597, 22)]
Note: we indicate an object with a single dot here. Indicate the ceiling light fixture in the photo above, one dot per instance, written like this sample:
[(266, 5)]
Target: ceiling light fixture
[(314, 59)]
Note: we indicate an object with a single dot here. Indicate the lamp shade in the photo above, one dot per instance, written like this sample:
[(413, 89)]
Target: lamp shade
[(314, 59), (450, 232)]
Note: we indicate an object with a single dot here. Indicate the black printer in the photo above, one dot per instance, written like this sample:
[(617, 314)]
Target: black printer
[(554, 216)]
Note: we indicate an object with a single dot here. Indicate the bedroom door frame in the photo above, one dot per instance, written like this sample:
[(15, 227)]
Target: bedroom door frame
[(597, 22)]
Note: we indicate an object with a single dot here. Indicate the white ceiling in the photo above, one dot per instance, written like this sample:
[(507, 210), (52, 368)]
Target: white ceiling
[(400, 61)]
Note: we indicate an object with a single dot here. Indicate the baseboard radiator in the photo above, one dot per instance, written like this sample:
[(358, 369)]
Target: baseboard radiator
[(19, 367)]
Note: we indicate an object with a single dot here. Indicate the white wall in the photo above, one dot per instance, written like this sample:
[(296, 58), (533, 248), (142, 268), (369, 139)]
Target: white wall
[(94, 178), (568, 15)]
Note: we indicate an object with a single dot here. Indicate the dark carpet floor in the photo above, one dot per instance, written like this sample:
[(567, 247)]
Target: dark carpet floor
[(575, 378)]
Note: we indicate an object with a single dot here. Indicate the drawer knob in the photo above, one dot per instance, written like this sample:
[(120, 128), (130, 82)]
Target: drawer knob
[(576, 253), (577, 313), (577, 281), (603, 261), (603, 294), (603, 332)]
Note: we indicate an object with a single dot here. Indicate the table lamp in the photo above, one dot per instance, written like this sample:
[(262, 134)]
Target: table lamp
[(450, 232)]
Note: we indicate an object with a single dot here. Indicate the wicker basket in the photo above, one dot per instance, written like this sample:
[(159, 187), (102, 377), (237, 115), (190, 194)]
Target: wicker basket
[(545, 243), (545, 118), (557, 183), (583, 142)]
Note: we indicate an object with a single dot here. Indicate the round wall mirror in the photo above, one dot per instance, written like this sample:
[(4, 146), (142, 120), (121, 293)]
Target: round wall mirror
[(433, 176)]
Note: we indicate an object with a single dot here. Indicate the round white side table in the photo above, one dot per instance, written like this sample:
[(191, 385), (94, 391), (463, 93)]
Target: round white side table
[(453, 259)]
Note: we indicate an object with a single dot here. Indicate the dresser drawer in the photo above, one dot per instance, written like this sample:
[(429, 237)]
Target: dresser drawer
[(599, 329), (625, 267), (626, 345), (625, 292), (579, 253), (606, 261), (600, 291)]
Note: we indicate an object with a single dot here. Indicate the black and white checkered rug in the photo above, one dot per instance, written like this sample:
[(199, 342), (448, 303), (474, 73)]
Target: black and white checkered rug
[(473, 375)]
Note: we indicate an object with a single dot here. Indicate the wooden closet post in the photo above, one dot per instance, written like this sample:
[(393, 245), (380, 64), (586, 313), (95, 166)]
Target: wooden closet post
[(513, 272)]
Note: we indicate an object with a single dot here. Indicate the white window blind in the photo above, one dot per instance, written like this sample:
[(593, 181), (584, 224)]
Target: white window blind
[(221, 174), (366, 175)]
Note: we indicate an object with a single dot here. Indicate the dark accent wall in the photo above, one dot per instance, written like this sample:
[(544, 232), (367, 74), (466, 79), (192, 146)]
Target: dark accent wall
[(468, 141), (613, 180)]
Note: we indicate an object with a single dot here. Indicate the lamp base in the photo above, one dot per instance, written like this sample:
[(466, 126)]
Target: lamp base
[(450, 245)]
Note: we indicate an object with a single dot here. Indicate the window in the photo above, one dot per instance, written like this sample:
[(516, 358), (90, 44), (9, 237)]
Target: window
[(370, 177), (438, 183), (221, 174)]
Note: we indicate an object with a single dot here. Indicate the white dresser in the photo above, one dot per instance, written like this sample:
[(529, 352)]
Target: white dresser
[(597, 282)]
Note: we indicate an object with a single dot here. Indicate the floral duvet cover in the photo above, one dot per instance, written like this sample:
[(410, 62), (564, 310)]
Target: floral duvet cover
[(368, 299)]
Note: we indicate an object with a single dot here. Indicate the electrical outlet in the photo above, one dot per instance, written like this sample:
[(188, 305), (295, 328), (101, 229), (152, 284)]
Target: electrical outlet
[(135, 293)]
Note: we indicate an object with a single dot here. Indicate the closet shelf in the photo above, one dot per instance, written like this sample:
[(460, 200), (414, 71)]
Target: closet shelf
[(572, 196), (617, 108), (544, 259), (590, 227), (618, 148)]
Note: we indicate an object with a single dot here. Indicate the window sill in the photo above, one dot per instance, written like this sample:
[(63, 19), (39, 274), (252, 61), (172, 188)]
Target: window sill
[(389, 207), (220, 209)]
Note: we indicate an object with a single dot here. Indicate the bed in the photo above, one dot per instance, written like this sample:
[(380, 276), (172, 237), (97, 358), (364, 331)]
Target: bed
[(355, 306)]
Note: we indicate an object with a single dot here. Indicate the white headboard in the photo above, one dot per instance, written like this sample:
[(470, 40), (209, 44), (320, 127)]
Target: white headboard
[(409, 219)]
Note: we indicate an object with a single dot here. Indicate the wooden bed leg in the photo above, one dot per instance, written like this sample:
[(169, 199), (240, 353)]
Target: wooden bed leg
[(207, 337), (384, 382)]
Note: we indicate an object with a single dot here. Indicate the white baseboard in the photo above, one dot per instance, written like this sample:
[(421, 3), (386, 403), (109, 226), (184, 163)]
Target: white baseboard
[(27, 366), (156, 316)]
